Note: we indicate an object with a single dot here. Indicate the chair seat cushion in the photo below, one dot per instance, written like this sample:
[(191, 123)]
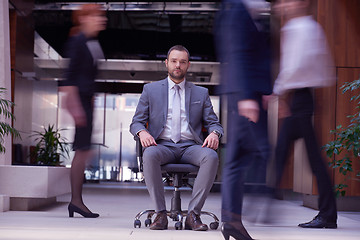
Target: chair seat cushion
[(180, 167)]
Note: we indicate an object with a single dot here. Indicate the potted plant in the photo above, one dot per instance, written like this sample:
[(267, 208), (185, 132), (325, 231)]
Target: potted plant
[(346, 147), (49, 147), (5, 128)]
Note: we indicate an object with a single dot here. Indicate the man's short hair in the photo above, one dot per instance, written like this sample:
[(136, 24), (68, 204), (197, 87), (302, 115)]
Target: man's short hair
[(178, 48)]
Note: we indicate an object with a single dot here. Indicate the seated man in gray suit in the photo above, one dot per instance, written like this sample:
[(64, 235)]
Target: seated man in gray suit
[(168, 120)]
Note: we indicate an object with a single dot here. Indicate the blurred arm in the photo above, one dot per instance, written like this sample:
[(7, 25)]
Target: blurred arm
[(73, 104)]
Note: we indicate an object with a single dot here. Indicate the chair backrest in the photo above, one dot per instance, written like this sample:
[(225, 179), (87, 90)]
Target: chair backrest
[(139, 153)]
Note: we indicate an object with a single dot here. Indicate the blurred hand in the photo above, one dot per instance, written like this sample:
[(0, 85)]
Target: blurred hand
[(284, 110), (212, 141), (266, 99), (146, 139), (78, 115), (73, 105), (249, 108)]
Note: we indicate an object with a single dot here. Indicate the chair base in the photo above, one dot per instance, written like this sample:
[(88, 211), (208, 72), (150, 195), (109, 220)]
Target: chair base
[(176, 216)]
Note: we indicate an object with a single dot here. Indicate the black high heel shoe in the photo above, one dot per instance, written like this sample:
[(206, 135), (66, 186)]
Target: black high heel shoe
[(227, 230), (72, 208)]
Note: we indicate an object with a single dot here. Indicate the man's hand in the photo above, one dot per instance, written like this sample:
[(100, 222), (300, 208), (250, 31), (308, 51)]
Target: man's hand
[(146, 139), (249, 108), (284, 110), (266, 99), (212, 141)]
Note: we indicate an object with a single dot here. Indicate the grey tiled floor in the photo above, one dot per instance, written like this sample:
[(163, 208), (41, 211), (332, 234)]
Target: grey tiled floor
[(118, 204)]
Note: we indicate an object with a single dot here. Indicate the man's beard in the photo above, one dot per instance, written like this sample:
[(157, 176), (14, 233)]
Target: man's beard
[(177, 77)]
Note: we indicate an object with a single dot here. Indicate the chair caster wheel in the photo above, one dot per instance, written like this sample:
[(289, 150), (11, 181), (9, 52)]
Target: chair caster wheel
[(147, 222), (214, 225), (178, 225), (137, 223)]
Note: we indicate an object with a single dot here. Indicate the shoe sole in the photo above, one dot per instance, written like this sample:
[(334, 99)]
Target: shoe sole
[(329, 226), (156, 228), (197, 229)]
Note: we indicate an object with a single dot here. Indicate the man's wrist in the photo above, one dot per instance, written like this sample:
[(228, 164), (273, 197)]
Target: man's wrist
[(217, 133), (138, 133)]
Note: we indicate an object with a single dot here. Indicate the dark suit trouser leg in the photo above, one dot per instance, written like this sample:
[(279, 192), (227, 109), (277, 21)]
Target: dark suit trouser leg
[(327, 202), (295, 127), (240, 151), (258, 168), (285, 138)]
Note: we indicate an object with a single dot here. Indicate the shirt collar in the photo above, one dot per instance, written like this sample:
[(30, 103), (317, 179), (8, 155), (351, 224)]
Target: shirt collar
[(172, 84)]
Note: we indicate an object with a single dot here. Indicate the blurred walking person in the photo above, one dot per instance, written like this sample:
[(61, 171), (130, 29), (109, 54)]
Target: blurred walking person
[(243, 48), (305, 63), (84, 50)]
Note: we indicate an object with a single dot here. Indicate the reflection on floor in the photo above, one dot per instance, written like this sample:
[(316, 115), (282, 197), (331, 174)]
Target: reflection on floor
[(119, 203)]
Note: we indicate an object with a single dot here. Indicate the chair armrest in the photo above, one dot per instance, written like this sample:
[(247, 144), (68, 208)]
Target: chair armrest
[(139, 153)]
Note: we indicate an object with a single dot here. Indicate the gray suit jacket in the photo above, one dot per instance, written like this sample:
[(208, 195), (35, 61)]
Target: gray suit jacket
[(153, 105)]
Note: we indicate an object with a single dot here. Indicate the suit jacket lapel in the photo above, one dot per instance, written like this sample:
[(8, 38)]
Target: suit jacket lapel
[(165, 96), (187, 99), (188, 89)]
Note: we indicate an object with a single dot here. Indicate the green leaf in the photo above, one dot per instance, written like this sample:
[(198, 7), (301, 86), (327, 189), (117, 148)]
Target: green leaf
[(5, 128), (50, 146), (347, 140)]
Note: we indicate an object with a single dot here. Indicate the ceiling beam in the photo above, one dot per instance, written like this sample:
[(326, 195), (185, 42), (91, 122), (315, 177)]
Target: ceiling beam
[(164, 7)]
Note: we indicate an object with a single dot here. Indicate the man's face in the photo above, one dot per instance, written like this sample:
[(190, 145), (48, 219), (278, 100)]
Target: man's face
[(177, 65)]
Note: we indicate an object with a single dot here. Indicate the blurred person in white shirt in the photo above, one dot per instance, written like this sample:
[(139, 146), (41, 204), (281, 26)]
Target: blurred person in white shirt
[(305, 64)]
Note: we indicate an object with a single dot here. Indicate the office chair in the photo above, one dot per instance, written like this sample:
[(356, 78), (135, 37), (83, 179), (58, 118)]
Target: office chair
[(177, 173)]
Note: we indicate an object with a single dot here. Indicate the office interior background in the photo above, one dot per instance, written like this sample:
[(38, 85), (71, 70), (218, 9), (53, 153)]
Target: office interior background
[(135, 45)]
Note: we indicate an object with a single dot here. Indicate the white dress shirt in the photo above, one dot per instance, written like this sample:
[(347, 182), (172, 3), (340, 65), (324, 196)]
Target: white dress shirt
[(185, 131), (305, 58)]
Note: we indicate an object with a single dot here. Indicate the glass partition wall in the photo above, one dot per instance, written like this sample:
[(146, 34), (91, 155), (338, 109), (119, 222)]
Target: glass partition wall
[(114, 156), (114, 147)]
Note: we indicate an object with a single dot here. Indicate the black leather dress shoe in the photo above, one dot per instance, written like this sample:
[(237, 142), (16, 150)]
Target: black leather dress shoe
[(319, 222), (193, 222), (160, 222)]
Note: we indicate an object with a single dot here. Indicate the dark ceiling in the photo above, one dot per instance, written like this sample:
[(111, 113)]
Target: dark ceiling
[(144, 34)]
